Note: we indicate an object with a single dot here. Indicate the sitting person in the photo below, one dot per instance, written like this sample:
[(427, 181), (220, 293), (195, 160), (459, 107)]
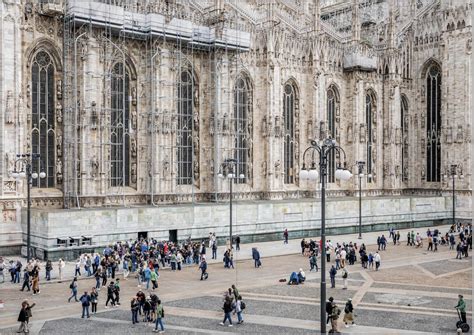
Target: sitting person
[(301, 276), (294, 279)]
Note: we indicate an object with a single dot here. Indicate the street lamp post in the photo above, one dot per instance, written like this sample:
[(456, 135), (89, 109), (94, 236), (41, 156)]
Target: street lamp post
[(23, 168), (453, 174), (228, 171), (328, 146), (360, 174)]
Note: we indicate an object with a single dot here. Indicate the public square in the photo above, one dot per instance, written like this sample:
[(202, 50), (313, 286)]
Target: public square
[(414, 291)]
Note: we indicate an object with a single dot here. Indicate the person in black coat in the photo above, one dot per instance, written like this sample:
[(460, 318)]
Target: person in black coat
[(256, 257), (26, 281)]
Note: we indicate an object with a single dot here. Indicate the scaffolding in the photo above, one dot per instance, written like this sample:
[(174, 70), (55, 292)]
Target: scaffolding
[(113, 149)]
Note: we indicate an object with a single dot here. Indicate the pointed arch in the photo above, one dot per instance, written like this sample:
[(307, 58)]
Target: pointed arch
[(290, 114), (405, 134), (332, 106), (432, 76), (370, 114), (120, 160), (43, 116), (243, 125)]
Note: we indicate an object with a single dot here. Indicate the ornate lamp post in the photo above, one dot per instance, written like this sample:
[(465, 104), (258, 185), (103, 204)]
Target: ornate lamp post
[(228, 171), (453, 174), (360, 174), (324, 150), (23, 168)]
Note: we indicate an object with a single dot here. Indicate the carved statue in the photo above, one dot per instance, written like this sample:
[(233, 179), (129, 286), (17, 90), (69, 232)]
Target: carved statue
[(133, 173), (59, 112), (460, 135), (350, 134), (196, 121), (59, 145), (59, 171), (362, 133), (264, 168), (28, 95), (133, 120), (94, 167), (20, 107), (59, 89), (134, 95), (225, 122), (94, 117), (397, 170), (423, 174), (196, 170), (277, 168), (133, 147), (449, 134), (10, 108)]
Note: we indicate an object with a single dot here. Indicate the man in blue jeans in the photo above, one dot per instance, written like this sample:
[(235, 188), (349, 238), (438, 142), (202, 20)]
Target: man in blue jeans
[(86, 301), (160, 314), (227, 310)]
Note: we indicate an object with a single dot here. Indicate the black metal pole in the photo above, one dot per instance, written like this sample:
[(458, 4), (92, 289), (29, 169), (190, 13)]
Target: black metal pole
[(360, 204), (322, 166), (230, 211), (28, 211), (454, 194)]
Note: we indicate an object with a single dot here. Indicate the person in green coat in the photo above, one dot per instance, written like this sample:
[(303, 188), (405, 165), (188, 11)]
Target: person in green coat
[(154, 279), (462, 308), (160, 314)]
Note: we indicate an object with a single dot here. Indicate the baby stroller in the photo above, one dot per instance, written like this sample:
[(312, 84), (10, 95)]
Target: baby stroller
[(461, 324)]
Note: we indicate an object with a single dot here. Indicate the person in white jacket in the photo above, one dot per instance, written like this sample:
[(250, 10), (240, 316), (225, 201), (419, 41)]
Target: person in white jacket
[(377, 260), (61, 265)]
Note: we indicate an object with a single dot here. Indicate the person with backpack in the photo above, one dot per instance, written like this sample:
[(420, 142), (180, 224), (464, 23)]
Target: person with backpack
[(332, 275), (239, 307), (110, 295), (335, 312), (313, 262), (160, 314), (345, 274), (348, 313), (73, 287), (94, 300), (134, 307), (86, 301), (203, 267)]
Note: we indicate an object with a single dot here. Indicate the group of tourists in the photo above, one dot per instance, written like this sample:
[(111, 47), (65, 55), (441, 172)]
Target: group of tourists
[(149, 309), (232, 303), (333, 313)]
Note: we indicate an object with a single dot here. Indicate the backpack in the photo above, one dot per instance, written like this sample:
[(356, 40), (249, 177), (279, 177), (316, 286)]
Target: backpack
[(344, 275), (162, 312), (71, 286), (242, 305)]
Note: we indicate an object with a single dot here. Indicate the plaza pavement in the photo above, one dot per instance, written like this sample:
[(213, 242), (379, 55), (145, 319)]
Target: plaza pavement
[(414, 292)]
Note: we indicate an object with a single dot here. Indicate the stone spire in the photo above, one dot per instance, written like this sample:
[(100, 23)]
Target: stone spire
[(355, 21), (391, 29), (316, 15)]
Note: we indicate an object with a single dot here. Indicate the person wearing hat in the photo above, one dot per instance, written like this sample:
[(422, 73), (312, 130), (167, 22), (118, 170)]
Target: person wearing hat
[(348, 313), (462, 308)]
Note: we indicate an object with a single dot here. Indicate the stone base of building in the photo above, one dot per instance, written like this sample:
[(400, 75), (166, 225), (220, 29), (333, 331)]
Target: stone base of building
[(68, 233)]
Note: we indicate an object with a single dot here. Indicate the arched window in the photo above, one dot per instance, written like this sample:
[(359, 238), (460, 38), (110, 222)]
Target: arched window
[(433, 123), (332, 101), (119, 127), (185, 130), (43, 118), (369, 115), (404, 130), (289, 107), (242, 126)]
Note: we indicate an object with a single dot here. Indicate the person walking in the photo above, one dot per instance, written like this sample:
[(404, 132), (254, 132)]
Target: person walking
[(348, 313), (329, 308), (256, 257), (78, 268), (335, 312), (117, 291), (377, 260), (86, 301), (61, 266), (94, 300), (35, 281), (332, 275), (147, 273), (285, 236), (160, 314), (227, 310), (23, 318), (345, 274), (398, 237), (203, 267), (214, 250), (239, 306), (26, 281), (154, 280), (134, 307), (73, 287), (459, 251), (48, 267), (313, 262), (237, 243), (110, 295)]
